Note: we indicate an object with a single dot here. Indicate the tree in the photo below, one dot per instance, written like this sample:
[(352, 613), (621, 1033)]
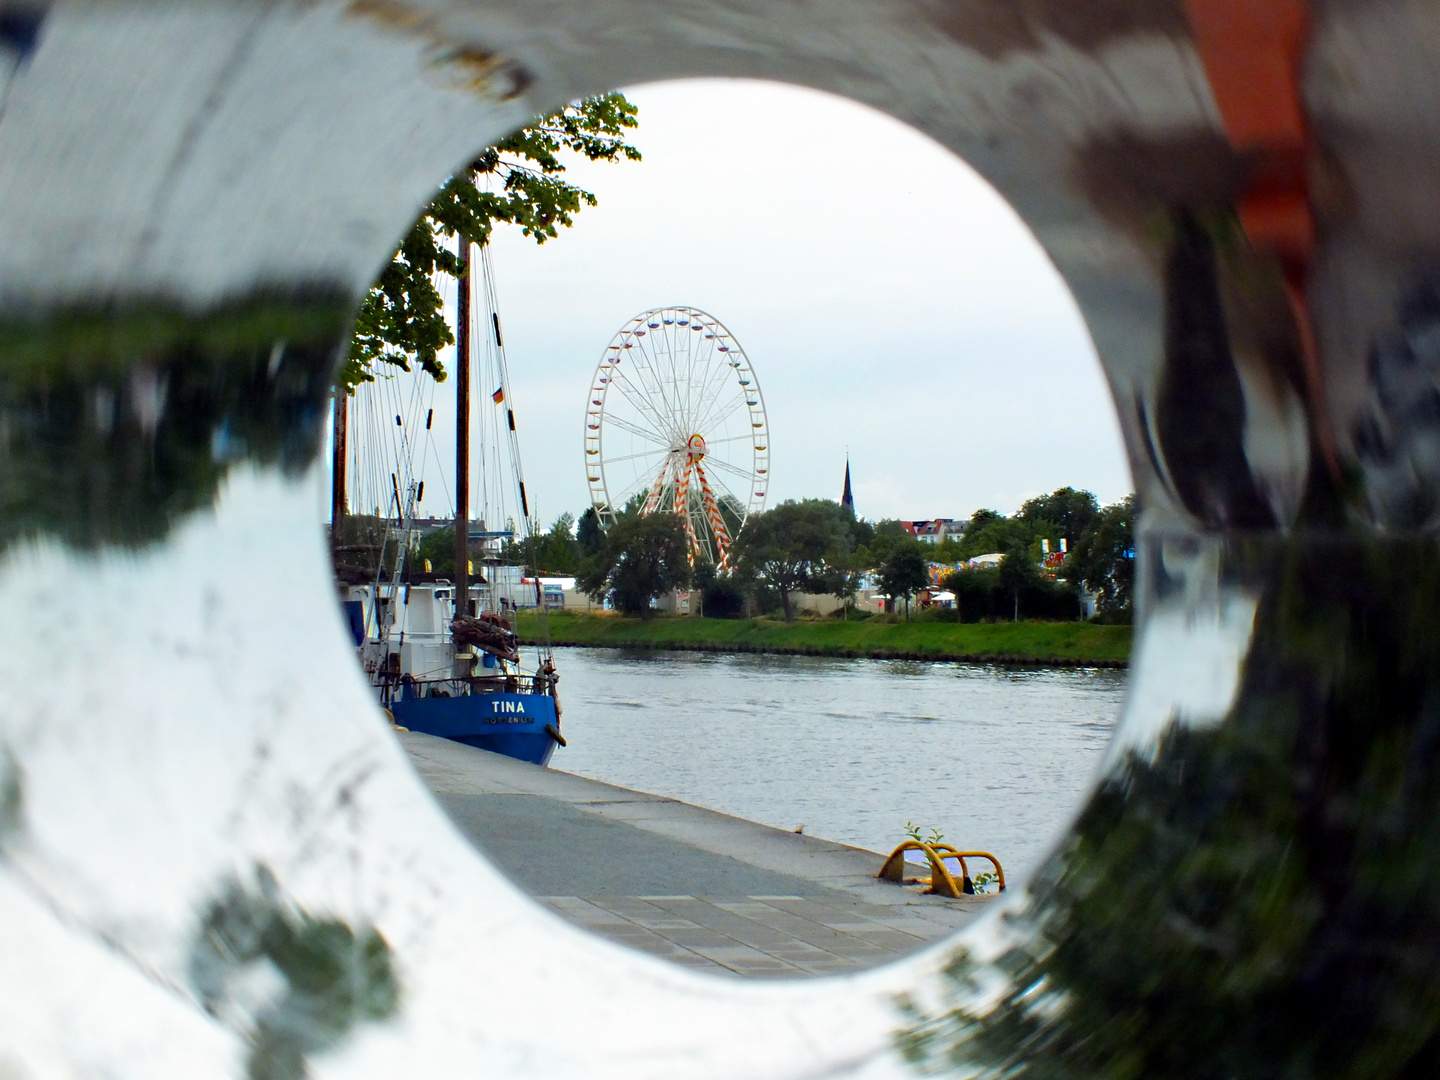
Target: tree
[(976, 590), (904, 572), (523, 549), (588, 532), (517, 181), (862, 532), (721, 596), (1064, 510), (840, 577), (980, 518), (786, 547), (948, 550), (883, 538), (558, 551), (1104, 560), (437, 548), (1018, 571), (980, 595), (643, 558), (997, 534)]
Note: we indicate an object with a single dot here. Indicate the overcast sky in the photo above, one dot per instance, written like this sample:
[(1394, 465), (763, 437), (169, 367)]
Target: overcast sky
[(892, 305)]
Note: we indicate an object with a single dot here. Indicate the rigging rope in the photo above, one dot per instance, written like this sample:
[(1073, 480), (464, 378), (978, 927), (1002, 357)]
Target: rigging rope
[(393, 441)]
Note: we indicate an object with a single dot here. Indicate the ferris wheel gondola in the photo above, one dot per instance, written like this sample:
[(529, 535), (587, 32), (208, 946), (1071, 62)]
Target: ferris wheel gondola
[(676, 415)]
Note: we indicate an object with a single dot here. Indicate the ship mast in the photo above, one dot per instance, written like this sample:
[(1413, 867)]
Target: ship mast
[(340, 438), (462, 434)]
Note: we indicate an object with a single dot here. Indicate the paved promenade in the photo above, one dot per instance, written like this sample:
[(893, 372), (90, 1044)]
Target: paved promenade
[(694, 886)]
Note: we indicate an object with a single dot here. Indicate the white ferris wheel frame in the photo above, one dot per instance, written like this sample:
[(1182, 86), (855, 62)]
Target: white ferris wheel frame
[(677, 467)]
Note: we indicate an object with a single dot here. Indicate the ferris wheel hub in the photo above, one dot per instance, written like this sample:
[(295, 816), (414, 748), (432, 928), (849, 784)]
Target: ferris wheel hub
[(696, 447)]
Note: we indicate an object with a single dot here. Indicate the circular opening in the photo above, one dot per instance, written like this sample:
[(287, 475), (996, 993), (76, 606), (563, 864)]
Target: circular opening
[(947, 365), (200, 814)]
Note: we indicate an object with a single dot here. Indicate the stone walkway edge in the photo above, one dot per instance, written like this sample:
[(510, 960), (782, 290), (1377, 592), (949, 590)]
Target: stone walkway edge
[(822, 910)]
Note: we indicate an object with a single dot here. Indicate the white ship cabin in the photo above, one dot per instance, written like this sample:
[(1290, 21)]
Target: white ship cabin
[(407, 628)]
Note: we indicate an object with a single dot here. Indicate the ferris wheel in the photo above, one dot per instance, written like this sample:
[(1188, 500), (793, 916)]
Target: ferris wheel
[(675, 415)]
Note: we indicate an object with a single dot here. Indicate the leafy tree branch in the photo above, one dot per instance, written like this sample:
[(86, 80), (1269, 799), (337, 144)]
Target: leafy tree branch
[(518, 181)]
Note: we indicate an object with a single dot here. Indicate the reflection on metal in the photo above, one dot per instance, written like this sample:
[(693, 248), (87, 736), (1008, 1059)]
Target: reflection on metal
[(118, 424), (1242, 198), (941, 882), (333, 977)]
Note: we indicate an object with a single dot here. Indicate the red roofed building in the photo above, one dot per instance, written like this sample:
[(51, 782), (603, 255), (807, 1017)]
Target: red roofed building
[(934, 530)]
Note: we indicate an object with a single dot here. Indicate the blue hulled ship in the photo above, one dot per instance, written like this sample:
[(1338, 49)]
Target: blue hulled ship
[(459, 676), (442, 654)]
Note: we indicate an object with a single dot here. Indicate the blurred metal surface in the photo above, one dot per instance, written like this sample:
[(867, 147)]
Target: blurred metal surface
[(213, 859)]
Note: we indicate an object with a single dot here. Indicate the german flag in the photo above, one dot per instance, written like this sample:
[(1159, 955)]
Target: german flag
[(498, 396)]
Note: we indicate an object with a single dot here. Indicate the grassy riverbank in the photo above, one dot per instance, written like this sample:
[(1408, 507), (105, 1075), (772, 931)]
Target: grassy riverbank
[(1023, 642)]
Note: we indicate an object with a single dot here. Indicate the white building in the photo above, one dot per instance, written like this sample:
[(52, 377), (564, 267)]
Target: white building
[(935, 530)]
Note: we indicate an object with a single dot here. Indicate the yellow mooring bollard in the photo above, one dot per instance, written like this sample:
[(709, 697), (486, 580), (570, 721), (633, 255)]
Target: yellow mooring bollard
[(942, 882)]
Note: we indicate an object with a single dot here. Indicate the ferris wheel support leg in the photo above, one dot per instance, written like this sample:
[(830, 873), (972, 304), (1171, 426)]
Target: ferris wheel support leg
[(717, 522), (682, 508), (652, 501)]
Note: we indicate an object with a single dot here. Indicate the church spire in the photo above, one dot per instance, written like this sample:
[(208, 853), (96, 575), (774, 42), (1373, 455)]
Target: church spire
[(847, 499)]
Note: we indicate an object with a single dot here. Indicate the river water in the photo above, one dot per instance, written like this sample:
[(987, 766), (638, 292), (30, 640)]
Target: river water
[(995, 758)]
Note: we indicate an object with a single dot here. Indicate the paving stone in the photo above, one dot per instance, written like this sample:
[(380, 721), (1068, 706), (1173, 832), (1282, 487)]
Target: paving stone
[(920, 928), (891, 940), (701, 963), (817, 956), (745, 961), (749, 937), (734, 952), (805, 929), (764, 903), (573, 907), (627, 905), (698, 939), (665, 920), (725, 922)]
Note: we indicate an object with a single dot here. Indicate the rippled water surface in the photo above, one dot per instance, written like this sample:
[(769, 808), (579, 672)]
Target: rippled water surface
[(997, 759)]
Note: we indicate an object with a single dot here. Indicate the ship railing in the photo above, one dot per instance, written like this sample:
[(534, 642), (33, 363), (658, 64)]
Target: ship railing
[(456, 685)]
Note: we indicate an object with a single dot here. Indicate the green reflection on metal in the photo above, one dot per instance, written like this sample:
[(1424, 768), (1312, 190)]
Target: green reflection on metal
[(12, 795), (115, 424), (325, 976), (1257, 898)]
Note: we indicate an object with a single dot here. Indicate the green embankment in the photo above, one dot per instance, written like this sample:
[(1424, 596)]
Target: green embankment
[(1024, 642)]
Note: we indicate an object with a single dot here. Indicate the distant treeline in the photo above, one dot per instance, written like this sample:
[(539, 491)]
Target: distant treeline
[(818, 546)]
